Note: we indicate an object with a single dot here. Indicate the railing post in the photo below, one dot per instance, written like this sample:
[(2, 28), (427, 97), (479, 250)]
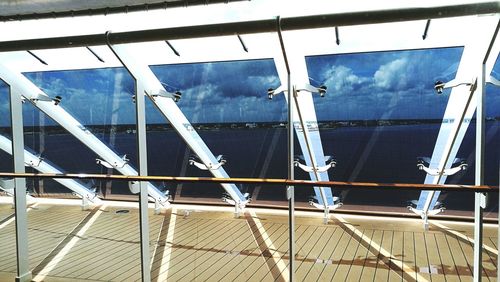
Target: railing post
[(290, 166), (143, 171), (22, 250)]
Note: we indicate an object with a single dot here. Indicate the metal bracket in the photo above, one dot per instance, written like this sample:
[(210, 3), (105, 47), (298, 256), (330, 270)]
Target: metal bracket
[(114, 164), (306, 168), (176, 96), (445, 172), (33, 163), (209, 166), (238, 206), (327, 208), (439, 86), (425, 216), (304, 87), (45, 98), (491, 80)]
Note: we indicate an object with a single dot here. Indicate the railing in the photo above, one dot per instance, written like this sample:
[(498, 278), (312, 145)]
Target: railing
[(270, 181)]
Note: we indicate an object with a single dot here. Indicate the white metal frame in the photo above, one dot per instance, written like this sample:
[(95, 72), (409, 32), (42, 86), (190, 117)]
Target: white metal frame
[(39, 99), (88, 196), (167, 106)]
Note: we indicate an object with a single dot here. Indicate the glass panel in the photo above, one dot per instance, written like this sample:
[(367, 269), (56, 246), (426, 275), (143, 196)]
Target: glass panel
[(101, 100), (380, 114), (226, 102), (5, 158)]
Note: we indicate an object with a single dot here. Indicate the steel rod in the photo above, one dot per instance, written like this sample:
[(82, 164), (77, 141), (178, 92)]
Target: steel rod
[(256, 26), (290, 153)]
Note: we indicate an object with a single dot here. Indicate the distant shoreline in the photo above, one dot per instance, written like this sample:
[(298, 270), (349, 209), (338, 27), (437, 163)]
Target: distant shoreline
[(130, 128)]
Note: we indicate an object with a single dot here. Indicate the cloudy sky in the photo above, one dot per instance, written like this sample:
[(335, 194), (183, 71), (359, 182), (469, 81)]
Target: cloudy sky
[(381, 85)]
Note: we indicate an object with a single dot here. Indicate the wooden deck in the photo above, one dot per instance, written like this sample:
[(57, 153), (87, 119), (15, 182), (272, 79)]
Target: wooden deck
[(195, 243)]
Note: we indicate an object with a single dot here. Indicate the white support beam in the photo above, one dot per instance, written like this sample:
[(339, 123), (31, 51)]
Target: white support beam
[(459, 111), (22, 249), (306, 127), (54, 110), (45, 167), (142, 154), (165, 103), (479, 198)]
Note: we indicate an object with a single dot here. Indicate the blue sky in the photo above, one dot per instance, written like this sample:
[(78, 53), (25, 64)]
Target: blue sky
[(383, 85), (380, 85)]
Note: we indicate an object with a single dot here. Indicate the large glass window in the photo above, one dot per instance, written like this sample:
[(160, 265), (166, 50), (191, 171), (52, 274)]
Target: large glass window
[(226, 102), (380, 114)]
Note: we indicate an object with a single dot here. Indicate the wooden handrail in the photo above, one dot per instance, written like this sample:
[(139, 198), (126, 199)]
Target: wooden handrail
[(270, 181)]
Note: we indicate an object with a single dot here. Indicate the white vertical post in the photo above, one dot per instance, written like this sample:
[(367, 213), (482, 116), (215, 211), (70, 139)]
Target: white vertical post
[(22, 250), (479, 177), (290, 189), (143, 171)]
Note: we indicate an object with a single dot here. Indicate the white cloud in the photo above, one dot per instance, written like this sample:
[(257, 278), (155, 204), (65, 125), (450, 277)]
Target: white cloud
[(392, 75), (342, 78)]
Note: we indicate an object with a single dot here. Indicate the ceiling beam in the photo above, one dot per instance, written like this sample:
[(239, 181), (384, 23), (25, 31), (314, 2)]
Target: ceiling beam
[(256, 26)]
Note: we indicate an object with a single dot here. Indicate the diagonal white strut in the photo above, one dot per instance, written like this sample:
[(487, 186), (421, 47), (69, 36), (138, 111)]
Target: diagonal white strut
[(307, 130), (164, 102), (45, 167), (41, 100), (459, 111)]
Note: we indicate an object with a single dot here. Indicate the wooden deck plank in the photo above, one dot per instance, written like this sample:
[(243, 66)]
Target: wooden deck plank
[(259, 258), (210, 246), (183, 227), (458, 256), (446, 259), (398, 254), (347, 259), (84, 252), (493, 242), (409, 254), (105, 241), (343, 238), (382, 269), (422, 265), (303, 244), (468, 251), (304, 264), (358, 263), (337, 256), (185, 239), (213, 249), (134, 272), (234, 258), (276, 264), (6, 211), (106, 262), (222, 252), (489, 260), (325, 258), (371, 262), (249, 254), (183, 256), (319, 255)]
